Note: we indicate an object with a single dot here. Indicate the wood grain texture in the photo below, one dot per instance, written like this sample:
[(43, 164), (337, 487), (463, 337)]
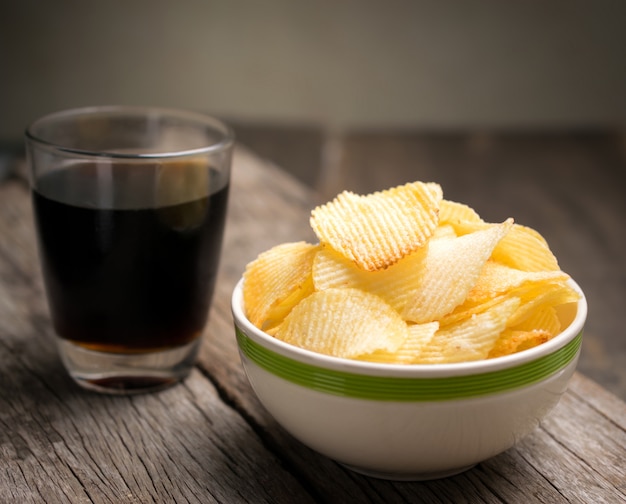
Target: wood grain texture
[(208, 439)]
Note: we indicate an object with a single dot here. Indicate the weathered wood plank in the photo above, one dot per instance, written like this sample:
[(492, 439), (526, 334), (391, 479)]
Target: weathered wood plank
[(603, 443), (209, 440), (510, 476), (604, 402), (181, 445)]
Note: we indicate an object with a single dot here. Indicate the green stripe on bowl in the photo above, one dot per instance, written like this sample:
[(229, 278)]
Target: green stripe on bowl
[(387, 388)]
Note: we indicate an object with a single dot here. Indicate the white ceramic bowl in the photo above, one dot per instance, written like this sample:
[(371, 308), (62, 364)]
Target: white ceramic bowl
[(408, 422)]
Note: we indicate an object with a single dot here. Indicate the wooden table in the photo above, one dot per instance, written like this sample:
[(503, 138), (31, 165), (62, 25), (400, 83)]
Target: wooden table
[(208, 439)]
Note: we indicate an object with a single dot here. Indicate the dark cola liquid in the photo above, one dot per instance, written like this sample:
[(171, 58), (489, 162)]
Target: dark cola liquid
[(130, 279)]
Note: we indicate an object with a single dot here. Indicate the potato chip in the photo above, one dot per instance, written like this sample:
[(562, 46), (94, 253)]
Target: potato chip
[(394, 284), (418, 336), (523, 248), (377, 230), (540, 326), (534, 295), (451, 269), (468, 309), (443, 231), (511, 341), (343, 323), (546, 294), (451, 211), (404, 276), (470, 339), (276, 281), (543, 317), (497, 278)]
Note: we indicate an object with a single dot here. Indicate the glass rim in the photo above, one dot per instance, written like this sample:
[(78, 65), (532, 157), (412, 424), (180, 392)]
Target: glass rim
[(226, 141)]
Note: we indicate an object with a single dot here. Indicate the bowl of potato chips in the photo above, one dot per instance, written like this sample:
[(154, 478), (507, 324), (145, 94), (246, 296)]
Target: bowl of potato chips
[(413, 340)]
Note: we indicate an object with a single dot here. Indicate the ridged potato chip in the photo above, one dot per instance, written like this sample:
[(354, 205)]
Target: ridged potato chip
[(468, 309), (395, 284), (523, 248), (451, 212), (511, 341), (418, 336), (471, 339), (276, 281), (378, 229), (497, 278), (543, 318), (343, 323), (451, 269), (534, 298), (404, 276), (444, 231), (546, 294)]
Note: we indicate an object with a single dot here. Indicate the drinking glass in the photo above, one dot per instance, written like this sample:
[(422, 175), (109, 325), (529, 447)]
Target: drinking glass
[(130, 206)]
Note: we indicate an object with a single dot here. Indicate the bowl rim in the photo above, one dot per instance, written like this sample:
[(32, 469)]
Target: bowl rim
[(407, 370)]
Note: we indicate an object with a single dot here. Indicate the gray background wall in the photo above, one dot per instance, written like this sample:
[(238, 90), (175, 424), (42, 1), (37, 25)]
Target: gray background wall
[(426, 63)]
